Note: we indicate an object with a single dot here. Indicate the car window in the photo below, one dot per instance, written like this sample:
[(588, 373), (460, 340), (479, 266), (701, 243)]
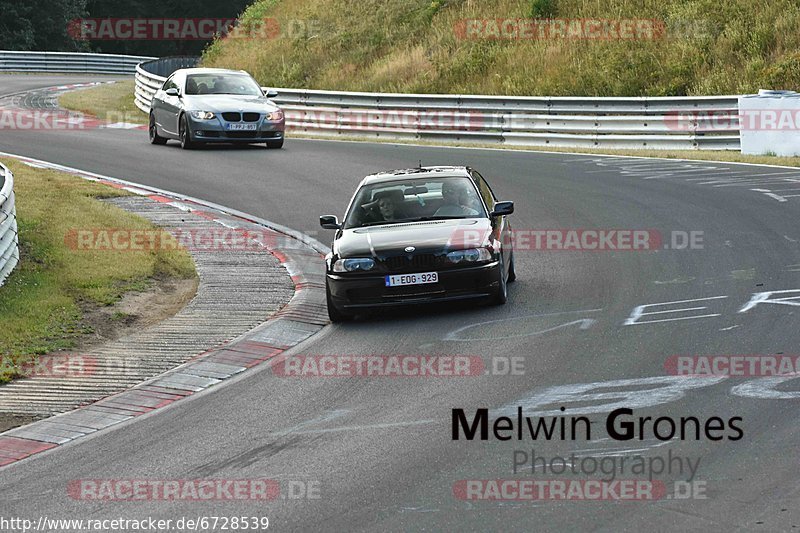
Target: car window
[(170, 83), (214, 83), (413, 200), (485, 190)]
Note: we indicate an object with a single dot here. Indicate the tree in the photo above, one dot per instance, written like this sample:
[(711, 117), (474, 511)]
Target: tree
[(45, 24), (39, 24)]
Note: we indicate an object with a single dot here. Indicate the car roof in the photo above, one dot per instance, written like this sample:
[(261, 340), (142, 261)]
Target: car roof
[(210, 71), (420, 173)]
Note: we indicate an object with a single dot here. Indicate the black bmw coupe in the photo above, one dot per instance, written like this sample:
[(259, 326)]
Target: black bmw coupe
[(419, 235)]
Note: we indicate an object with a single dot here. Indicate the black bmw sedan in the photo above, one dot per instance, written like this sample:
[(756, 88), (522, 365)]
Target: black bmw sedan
[(419, 235), (211, 105)]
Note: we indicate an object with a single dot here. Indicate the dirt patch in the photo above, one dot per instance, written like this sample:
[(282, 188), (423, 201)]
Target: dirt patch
[(9, 421), (163, 298), (136, 310)]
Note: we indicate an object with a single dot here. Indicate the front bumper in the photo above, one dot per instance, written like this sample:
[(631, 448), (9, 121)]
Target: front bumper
[(217, 130), (366, 290)]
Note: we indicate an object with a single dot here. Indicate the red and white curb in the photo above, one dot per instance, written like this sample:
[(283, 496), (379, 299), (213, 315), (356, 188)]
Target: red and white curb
[(303, 316)]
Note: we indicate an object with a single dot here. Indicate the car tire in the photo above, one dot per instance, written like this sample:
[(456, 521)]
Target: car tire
[(512, 272), (275, 144), (152, 131), (336, 316), (500, 297), (185, 134)]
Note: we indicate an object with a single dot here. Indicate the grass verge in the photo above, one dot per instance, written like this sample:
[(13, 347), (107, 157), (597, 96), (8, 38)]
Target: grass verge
[(44, 302), (110, 101)]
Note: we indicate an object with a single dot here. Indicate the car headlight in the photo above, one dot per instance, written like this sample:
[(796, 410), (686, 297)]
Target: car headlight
[(275, 115), (353, 265), (470, 255), (202, 115)]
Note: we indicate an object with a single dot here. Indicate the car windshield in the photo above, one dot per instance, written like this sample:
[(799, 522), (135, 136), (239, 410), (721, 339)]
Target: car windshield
[(240, 84), (414, 200)]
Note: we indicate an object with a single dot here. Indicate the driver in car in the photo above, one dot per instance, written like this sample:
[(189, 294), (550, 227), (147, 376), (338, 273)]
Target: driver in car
[(221, 86), (454, 196), (385, 207)]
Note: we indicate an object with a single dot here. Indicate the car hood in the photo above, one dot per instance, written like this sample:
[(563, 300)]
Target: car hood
[(229, 102), (433, 236)]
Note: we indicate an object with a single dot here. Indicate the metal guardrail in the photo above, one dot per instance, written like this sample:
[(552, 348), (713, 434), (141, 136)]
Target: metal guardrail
[(644, 122), (78, 62), (9, 242), (150, 76)]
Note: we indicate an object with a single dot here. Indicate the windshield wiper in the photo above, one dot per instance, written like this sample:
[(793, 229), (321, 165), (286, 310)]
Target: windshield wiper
[(439, 217), (382, 222), (418, 219)]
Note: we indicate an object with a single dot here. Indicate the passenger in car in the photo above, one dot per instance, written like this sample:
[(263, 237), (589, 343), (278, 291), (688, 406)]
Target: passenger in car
[(453, 194), (469, 199)]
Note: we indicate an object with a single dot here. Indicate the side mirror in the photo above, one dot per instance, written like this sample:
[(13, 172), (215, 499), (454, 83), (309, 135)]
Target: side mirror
[(270, 93), (329, 222), (172, 91), (502, 208)]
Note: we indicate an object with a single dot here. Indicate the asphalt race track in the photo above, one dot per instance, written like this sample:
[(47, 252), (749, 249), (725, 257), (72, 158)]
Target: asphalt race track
[(379, 449)]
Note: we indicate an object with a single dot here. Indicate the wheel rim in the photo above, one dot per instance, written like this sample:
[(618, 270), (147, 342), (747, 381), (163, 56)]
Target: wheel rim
[(183, 133), (152, 129)]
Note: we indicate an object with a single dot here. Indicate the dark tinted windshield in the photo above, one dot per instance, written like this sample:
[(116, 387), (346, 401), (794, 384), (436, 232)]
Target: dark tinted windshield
[(240, 84), (410, 200)]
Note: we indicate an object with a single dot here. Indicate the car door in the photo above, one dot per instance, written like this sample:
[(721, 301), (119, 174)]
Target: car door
[(157, 104), (501, 226), (171, 105)]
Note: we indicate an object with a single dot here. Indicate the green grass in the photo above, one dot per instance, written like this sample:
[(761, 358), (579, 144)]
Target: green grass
[(111, 101), (43, 301), (710, 47)]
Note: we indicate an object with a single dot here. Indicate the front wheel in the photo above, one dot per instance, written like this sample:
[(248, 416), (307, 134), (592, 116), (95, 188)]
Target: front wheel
[(152, 131), (512, 272), (334, 313), (185, 134), (275, 144), (500, 297)]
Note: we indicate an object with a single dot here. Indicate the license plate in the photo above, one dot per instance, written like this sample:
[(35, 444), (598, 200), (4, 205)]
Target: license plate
[(241, 127), (398, 280)]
